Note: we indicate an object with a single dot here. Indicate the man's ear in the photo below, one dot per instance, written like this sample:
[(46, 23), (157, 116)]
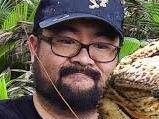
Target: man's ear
[(33, 45)]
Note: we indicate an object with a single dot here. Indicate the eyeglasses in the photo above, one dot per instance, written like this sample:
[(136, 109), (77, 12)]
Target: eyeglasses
[(69, 47)]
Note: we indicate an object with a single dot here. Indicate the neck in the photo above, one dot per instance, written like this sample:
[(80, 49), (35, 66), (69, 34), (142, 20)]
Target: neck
[(50, 111)]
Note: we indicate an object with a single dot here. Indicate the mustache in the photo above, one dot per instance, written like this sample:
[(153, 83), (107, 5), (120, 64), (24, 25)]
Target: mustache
[(94, 74)]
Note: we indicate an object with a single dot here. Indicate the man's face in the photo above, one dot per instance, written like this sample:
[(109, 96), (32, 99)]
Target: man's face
[(79, 79)]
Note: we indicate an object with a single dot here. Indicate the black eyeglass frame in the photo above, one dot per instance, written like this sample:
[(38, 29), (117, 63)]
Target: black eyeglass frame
[(50, 39)]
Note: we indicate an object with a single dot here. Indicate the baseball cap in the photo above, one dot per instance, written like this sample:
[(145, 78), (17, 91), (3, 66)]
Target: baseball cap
[(51, 12)]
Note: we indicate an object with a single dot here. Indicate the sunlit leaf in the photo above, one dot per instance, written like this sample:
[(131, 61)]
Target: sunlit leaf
[(129, 46), (4, 77)]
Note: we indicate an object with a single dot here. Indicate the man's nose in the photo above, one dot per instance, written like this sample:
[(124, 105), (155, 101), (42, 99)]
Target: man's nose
[(82, 58)]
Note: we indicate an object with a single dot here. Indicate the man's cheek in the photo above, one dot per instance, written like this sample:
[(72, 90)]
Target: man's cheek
[(108, 68), (106, 72)]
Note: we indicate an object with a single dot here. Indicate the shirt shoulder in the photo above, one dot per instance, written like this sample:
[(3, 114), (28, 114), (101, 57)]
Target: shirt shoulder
[(20, 108)]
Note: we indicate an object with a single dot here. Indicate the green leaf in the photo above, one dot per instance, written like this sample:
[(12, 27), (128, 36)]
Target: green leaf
[(153, 11), (13, 12), (21, 13), (129, 46), (4, 77), (5, 8)]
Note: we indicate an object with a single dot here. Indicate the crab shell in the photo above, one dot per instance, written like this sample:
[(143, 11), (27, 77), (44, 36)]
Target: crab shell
[(133, 90)]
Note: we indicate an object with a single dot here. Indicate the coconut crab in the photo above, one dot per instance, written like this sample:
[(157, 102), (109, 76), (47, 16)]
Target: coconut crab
[(133, 90)]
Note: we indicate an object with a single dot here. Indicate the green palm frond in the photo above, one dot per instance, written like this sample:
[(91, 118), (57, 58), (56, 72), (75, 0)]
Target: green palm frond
[(22, 11), (32, 10), (19, 13), (153, 10), (5, 7), (4, 78)]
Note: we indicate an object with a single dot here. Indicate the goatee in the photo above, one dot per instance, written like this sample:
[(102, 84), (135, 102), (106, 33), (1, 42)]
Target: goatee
[(79, 102)]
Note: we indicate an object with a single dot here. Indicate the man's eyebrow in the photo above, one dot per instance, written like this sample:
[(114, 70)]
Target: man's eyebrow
[(64, 28), (101, 33), (107, 33)]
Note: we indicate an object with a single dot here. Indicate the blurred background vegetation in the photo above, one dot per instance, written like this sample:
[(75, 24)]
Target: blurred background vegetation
[(141, 26)]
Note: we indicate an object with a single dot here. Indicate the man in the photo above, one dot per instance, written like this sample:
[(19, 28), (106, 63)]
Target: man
[(74, 48)]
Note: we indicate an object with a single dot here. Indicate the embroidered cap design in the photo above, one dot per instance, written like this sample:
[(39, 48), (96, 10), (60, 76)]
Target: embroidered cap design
[(98, 3)]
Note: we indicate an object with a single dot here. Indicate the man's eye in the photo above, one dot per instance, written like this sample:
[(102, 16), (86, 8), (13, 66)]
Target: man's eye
[(102, 46), (66, 41)]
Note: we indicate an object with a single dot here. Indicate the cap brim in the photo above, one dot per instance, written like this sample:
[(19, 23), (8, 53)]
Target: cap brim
[(54, 20)]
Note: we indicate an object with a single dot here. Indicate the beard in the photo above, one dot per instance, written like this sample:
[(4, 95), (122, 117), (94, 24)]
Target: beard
[(80, 101)]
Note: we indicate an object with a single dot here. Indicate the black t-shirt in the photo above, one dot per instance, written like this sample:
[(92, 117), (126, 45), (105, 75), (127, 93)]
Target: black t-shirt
[(21, 108)]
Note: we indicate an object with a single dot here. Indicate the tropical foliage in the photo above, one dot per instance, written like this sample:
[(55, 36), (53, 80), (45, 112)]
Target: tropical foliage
[(129, 46), (13, 51), (22, 11), (141, 24), (4, 77), (142, 19)]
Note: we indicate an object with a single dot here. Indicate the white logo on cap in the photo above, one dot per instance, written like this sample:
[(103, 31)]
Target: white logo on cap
[(103, 3)]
